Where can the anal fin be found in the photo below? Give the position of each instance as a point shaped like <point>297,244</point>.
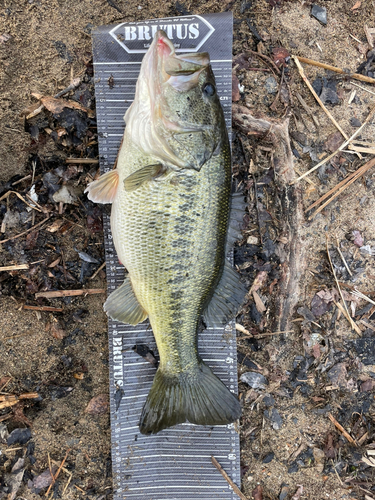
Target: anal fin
<point>135,180</point>
<point>122,305</point>
<point>226,300</point>
<point>104,189</point>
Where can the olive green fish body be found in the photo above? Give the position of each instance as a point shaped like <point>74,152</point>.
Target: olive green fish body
<point>170,235</point>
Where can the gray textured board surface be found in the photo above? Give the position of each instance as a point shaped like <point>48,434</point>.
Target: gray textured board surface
<point>176,463</point>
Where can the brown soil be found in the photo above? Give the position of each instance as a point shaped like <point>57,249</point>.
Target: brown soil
<point>50,44</point>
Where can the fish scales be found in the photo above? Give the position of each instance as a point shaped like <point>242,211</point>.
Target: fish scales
<point>170,196</point>
<point>173,247</point>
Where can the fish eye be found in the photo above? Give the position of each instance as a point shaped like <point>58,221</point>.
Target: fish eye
<point>209,89</point>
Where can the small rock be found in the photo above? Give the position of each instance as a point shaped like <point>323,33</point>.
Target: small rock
<point>271,85</point>
<point>254,380</point>
<point>98,405</point>
<point>268,400</point>
<point>252,240</point>
<point>329,96</point>
<point>368,385</point>
<point>87,258</point>
<point>275,418</point>
<point>320,13</point>
<point>19,436</point>
<point>300,137</point>
<point>358,238</point>
<point>43,480</point>
<point>293,468</point>
<point>337,375</point>
<point>4,434</point>
<point>319,457</point>
<point>11,219</point>
<point>354,122</point>
<point>284,492</point>
<point>268,458</point>
<point>64,195</point>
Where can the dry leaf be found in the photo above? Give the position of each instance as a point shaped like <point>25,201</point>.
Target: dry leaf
<point>57,105</point>
<point>258,302</point>
<point>259,281</point>
<point>57,331</point>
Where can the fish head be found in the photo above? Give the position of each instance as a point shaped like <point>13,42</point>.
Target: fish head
<point>177,92</point>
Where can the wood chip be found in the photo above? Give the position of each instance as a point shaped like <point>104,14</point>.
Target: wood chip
<point>69,293</point>
<point>14,268</point>
<point>43,308</point>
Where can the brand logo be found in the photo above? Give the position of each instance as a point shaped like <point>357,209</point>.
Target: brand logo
<point>187,33</point>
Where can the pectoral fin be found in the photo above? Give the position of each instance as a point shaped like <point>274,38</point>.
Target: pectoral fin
<point>134,181</point>
<point>104,189</point>
<point>226,300</point>
<point>122,305</point>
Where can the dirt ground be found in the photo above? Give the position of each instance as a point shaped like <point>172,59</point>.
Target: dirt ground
<point>319,368</point>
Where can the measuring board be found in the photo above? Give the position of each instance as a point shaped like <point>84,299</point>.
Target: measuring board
<point>176,463</point>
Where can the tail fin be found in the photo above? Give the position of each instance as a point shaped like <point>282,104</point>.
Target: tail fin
<point>201,398</point>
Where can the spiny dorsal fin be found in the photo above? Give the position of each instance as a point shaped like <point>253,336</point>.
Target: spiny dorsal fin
<point>122,305</point>
<point>237,211</point>
<point>135,180</point>
<point>104,189</point>
<point>226,300</point>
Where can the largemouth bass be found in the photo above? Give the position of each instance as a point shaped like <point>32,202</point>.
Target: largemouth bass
<point>171,200</point>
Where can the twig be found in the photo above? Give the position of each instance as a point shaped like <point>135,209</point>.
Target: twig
<point>98,271</point>
<point>342,430</point>
<point>257,207</point>
<point>21,180</point>
<point>320,102</point>
<point>227,478</point>
<point>54,477</point>
<point>265,59</point>
<point>82,161</point>
<point>80,489</point>
<point>8,193</point>
<point>25,232</point>
<point>343,146</point>
<point>347,316</point>
<point>67,484</point>
<point>308,110</point>
<point>339,188</point>
<point>43,308</point>
<point>343,258</point>
<point>361,295</point>
<point>360,149</point>
<point>267,334</point>
<point>69,293</point>
<point>352,324</point>
<point>363,88</point>
<point>357,76</point>
<point>14,268</point>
